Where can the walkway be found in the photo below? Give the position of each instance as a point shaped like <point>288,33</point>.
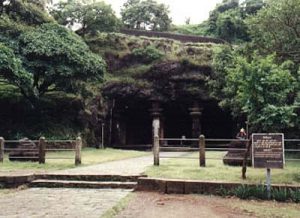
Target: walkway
<point>132,166</point>
<point>62,202</point>
<point>59,203</point>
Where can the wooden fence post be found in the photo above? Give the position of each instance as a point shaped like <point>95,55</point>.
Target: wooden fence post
<point>42,150</point>
<point>1,149</point>
<point>202,150</point>
<point>78,146</point>
<point>156,150</point>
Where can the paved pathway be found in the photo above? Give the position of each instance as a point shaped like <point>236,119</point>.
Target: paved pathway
<point>64,203</point>
<point>59,203</point>
<point>132,166</point>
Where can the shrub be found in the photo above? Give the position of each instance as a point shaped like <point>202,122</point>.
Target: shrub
<point>295,195</point>
<point>280,194</point>
<point>148,54</point>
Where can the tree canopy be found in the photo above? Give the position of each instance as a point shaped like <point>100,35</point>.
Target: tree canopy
<point>259,80</point>
<point>276,28</point>
<point>38,58</point>
<point>146,15</point>
<point>85,16</point>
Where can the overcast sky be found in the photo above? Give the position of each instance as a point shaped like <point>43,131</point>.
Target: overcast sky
<point>197,10</point>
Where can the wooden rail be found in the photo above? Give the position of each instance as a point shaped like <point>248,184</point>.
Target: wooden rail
<point>203,147</point>
<point>42,149</point>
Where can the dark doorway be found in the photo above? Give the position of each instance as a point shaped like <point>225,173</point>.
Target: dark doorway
<point>177,121</point>
<point>138,123</point>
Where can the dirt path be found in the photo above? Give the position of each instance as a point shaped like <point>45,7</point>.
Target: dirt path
<point>153,205</point>
<point>150,205</point>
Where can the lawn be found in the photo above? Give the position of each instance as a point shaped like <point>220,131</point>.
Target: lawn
<point>90,156</point>
<point>215,170</point>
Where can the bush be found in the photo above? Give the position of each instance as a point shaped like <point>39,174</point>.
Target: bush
<point>148,54</point>
<point>260,192</point>
<point>295,195</point>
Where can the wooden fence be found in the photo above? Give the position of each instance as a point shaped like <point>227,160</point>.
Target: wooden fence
<point>203,144</point>
<point>42,147</point>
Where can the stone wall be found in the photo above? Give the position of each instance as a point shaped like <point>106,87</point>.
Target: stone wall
<point>179,37</point>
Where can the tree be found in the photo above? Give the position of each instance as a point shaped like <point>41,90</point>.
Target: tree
<point>48,58</point>
<point>11,68</point>
<point>147,15</point>
<point>230,26</point>
<point>258,88</point>
<point>276,28</point>
<point>31,12</point>
<point>226,21</point>
<point>251,7</point>
<point>88,18</point>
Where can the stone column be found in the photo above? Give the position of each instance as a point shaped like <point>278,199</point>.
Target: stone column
<point>196,112</point>
<point>119,129</point>
<point>156,113</point>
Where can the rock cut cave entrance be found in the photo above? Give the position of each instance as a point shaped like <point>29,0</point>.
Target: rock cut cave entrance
<point>132,122</point>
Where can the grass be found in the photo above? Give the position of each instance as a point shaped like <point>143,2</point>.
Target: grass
<point>215,170</point>
<point>121,205</point>
<point>90,156</point>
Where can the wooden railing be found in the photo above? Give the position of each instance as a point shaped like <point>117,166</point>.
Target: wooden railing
<point>42,147</point>
<point>203,144</point>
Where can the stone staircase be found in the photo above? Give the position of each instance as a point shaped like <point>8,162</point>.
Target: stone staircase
<point>85,181</point>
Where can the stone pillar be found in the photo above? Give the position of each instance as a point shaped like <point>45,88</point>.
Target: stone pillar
<point>119,129</point>
<point>156,113</point>
<point>78,146</point>
<point>196,113</point>
<point>1,149</point>
<point>42,150</point>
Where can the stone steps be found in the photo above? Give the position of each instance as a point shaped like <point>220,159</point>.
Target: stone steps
<point>89,177</point>
<point>85,181</point>
<point>82,184</point>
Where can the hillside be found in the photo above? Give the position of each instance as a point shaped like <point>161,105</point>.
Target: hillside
<point>142,66</point>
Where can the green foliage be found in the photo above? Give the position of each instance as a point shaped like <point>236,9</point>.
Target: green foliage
<point>262,89</point>
<point>49,57</point>
<point>92,17</point>
<point>295,195</point>
<point>246,192</point>
<point>276,28</point>
<point>137,14</point>
<point>28,11</point>
<point>251,7</point>
<point>230,26</point>
<point>227,20</point>
<point>11,69</point>
<point>147,54</point>
<point>256,87</point>
<point>260,192</point>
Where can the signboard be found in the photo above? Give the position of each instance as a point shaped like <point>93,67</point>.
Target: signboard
<point>268,150</point>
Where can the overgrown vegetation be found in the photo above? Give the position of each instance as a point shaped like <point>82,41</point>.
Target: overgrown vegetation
<point>150,15</point>
<point>259,81</point>
<point>88,17</point>
<point>260,192</point>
